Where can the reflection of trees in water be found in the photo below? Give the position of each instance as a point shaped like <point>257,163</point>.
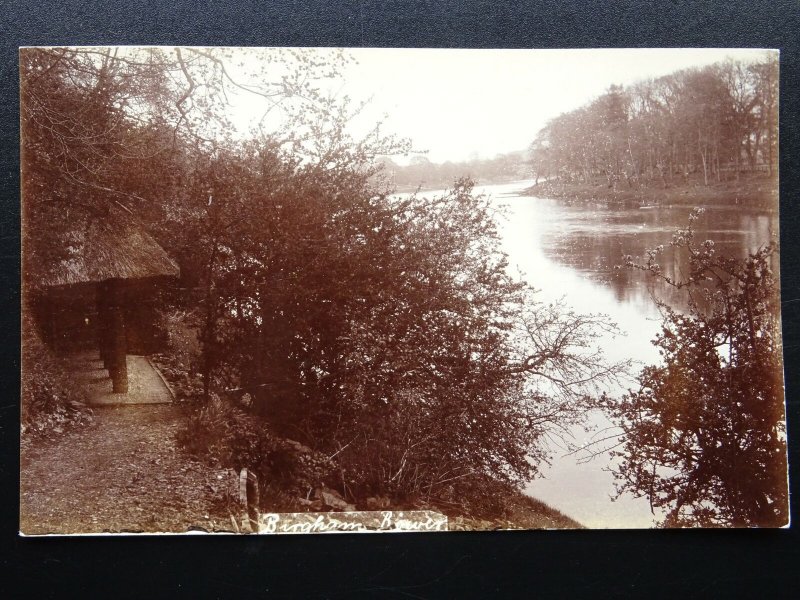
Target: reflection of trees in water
<point>704,435</point>
<point>597,248</point>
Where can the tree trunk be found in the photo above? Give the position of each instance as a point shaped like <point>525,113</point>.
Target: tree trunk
<point>119,365</point>
<point>705,167</point>
<point>116,343</point>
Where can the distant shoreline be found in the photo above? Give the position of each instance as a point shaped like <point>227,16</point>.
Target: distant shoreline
<point>410,189</point>
<point>757,192</point>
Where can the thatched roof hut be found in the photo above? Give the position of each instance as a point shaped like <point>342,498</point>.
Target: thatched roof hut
<point>100,288</point>
<point>116,247</point>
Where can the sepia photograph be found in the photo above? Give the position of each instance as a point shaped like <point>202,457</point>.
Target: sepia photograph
<point>340,290</point>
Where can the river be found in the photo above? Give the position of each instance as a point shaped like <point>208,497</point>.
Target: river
<point>570,252</point>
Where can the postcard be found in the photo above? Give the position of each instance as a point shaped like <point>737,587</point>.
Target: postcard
<point>321,290</point>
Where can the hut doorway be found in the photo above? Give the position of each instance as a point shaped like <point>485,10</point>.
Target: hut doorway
<point>111,318</point>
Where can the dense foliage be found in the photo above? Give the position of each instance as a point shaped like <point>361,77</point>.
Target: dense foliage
<point>705,437</point>
<point>383,334</point>
<point>51,399</point>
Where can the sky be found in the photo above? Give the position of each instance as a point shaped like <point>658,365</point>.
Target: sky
<point>461,104</point>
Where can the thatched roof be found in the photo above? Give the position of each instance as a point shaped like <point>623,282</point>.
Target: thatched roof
<point>113,247</point>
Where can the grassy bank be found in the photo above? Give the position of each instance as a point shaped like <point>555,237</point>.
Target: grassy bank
<point>752,191</point>
<point>523,512</point>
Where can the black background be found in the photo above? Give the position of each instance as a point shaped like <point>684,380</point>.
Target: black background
<point>528,564</point>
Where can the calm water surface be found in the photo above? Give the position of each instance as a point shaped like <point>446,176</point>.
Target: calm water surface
<point>570,252</point>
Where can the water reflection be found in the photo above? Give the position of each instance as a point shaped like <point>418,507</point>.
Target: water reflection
<point>571,251</point>
<point>594,241</point>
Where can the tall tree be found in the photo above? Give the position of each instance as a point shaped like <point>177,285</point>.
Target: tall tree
<point>106,127</point>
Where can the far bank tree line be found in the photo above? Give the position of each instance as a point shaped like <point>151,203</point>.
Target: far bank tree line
<point>422,172</point>
<point>708,124</point>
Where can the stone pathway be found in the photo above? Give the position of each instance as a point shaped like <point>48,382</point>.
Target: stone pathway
<point>145,383</point>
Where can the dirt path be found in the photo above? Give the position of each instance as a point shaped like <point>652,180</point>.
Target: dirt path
<point>121,473</point>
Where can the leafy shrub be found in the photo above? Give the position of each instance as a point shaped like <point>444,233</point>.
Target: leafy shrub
<point>182,338</point>
<point>180,363</point>
<point>227,435</point>
<point>188,387</point>
<point>51,399</point>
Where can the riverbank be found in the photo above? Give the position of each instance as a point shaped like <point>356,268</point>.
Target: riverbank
<point>125,473</point>
<point>524,512</point>
<point>754,191</point>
